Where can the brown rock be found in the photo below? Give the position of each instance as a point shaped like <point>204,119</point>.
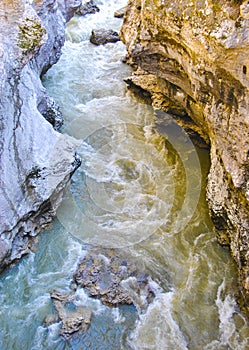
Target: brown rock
<point>50,319</point>
<point>193,61</point>
<point>74,319</point>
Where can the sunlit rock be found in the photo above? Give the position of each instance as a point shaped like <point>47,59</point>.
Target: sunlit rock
<point>192,59</point>
<point>73,318</point>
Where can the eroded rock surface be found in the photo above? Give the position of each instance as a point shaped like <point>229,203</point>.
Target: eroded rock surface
<point>107,274</point>
<point>113,278</point>
<point>74,319</point>
<point>191,57</point>
<point>35,160</point>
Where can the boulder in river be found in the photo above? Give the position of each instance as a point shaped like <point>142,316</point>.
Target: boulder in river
<point>113,279</point>
<point>73,318</point>
<point>87,8</point>
<point>106,274</point>
<point>103,36</point>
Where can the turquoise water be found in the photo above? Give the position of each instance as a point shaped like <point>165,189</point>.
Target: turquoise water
<point>140,190</point>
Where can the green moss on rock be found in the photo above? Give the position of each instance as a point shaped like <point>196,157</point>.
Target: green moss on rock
<point>31,33</point>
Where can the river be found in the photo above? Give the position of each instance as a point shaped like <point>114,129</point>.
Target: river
<point>140,189</point>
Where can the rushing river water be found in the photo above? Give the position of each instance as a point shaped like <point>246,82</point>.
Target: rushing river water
<point>141,188</point>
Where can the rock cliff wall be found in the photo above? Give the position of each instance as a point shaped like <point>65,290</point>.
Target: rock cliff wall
<point>35,160</point>
<point>192,59</point>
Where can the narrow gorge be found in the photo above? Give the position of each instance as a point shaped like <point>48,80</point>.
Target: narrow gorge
<point>124,174</point>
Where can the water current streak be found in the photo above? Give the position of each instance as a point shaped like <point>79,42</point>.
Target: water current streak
<point>135,189</point>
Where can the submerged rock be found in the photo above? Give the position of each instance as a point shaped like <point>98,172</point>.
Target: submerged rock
<point>103,36</point>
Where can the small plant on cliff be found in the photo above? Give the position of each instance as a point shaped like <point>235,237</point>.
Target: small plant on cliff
<point>30,35</point>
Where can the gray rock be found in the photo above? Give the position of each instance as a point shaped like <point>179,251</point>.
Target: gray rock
<point>87,8</point>
<point>36,162</point>
<point>103,36</point>
<point>113,278</point>
<point>73,322</point>
<point>51,112</point>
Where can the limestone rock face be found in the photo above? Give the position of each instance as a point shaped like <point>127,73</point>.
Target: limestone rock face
<point>35,160</point>
<point>192,58</point>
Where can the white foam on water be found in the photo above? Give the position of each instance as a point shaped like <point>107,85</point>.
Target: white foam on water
<point>157,329</point>
<point>129,188</point>
<point>25,293</point>
<point>95,305</point>
<point>126,178</point>
<point>80,28</point>
<point>229,334</point>
<point>99,111</point>
<point>140,295</point>
<point>117,317</point>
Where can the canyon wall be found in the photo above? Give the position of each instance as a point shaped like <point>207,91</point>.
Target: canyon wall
<point>35,160</point>
<point>191,59</point>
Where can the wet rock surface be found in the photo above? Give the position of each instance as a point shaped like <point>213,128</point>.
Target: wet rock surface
<point>113,279</point>
<point>73,318</point>
<point>105,274</point>
<point>103,36</point>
